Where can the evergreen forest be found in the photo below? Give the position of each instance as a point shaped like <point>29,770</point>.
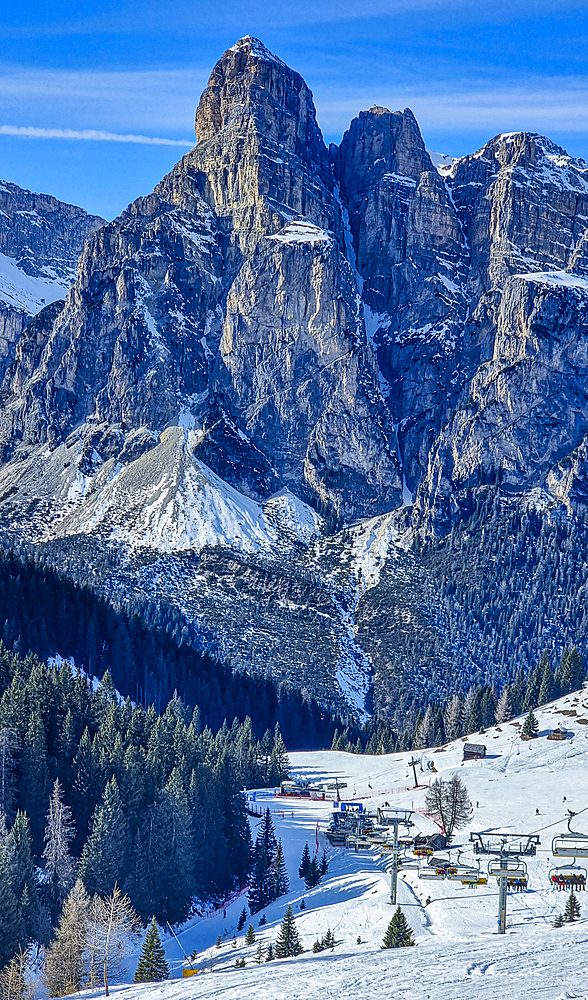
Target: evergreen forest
<point>96,787</point>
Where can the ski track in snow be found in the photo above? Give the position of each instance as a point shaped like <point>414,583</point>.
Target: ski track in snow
<point>458,955</point>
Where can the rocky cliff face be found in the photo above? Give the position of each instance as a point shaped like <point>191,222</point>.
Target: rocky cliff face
<point>412,257</point>
<point>40,242</point>
<point>291,396</point>
<point>249,293</point>
<point>523,422</point>
<point>276,326</point>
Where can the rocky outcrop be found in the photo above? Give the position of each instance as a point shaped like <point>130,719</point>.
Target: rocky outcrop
<point>260,158</point>
<point>136,346</point>
<point>40,242</point>
<point>299,377</point>
<point>523,423</point>
<point>412,257</point>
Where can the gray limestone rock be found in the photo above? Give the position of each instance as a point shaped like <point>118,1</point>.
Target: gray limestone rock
<point>524,420</point>
<point>40,242</point>
<point>412,257</point>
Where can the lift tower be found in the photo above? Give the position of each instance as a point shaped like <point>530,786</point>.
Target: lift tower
<point>507,848</point>
<point>395,818</point>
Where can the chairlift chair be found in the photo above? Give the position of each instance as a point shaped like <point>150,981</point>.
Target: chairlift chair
<point>434,874</point>
<point>568,877</point>
<point>571,844</point>
<point>511,868</point>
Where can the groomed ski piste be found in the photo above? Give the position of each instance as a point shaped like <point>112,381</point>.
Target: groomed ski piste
<point>521,786</point>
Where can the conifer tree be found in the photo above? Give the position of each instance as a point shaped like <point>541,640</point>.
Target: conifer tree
<point>288,943</point>
<point>250,936</point>
<point>530,725</point>
<point>152,967</point>
<point>534,683</point>
<point>171,862</point>
<point>22,873</point>
<point>453,718</point>
<point>282,884</point>
<point>398,933</point>
<point>324,865</point>
<point>242,919</point>
<point>263,888</point>
<point>517,692</point>
<point>59,834</point>
<point>9,744</point>
<point>547,689</point>
<point>305,862</point>
<point>34,778</point>
<point>270,953</point>
<point>260,954</point>
<point>279,763</point>
<point>106,851</point>
<point>572,909</point>
<point>313,875</point>
<point>12,932</point>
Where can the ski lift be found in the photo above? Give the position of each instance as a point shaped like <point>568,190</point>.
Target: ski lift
<point>472,878</point>
<point>466,874</point>
<point>423,851</point>
<point>570,845</point>
<point>511,868</point>
<point>568,877</point>
<point>426,872</point>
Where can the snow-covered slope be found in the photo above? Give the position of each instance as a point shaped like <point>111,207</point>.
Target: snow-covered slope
<point>26,292</point>
<point>521,787</point>
<point>169,501</point>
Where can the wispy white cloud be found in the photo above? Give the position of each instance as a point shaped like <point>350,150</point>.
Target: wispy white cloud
<point>94,135</point>
<point>540,105</point>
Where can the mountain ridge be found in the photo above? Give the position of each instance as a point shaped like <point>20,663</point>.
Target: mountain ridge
<point>344,327</point>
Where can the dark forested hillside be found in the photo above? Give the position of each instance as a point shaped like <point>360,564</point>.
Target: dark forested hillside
<point>46,613</point>
<point>93,786</point>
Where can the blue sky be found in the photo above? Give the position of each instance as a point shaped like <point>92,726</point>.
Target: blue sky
<point>116,69</point>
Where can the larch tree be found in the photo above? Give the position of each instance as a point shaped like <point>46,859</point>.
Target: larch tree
<point>450,803</point>
<point>13,978</point>
<point>64,969</point>
<point>504,706</point>
<point>114,925</point>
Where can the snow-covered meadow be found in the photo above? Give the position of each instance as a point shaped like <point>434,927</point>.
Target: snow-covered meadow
<point>521,787</point>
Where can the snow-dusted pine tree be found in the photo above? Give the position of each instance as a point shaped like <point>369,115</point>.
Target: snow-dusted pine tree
<point>282,884</point>
<point>288,944</point>
<point>152,967</point>
<point>59,834</point>
<point>398,933</point>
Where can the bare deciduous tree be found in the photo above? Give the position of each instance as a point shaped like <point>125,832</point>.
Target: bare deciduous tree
<point>114,924</point>
<point>13,981</point>
<point>450,803</point>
